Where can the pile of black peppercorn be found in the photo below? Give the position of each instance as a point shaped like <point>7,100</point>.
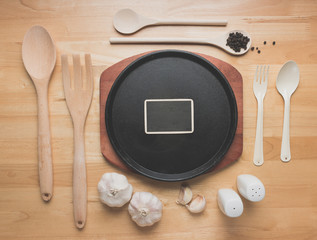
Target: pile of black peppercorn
<point>237,41</point>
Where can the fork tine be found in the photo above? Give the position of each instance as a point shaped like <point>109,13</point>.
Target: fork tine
<point>65,72</point>
<point>89,79</point>
<point>261,77</point>
<point>78,83</point>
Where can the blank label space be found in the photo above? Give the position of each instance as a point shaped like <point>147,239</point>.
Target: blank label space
<point>169,116</point>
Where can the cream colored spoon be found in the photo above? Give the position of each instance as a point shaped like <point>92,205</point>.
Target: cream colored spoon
<point>286,83</point>
<point>219,41</point>
<point>39,57</point>
<point>126,21</point>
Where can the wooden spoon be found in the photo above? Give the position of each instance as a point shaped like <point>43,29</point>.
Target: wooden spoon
<point>126,21</point>
<point>220,41</point>
<point>39,57</point>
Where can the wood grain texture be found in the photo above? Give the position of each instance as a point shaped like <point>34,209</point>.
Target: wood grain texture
<point>289,210</point>
<point>232,75</point>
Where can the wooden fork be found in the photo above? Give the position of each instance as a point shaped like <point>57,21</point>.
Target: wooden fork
<point>78,98</point>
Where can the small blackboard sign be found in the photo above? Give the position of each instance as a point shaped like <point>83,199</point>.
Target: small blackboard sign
<point>168,116</point>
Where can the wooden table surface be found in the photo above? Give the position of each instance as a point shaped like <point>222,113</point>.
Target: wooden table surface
<point>289,211</point>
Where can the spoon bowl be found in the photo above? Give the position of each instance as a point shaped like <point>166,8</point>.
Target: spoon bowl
<point>39,58</point>
<point>126,21</point>
<point>288,78</point>
<point>286,83</point>
<point>222,41</point>
<point>38,53</point>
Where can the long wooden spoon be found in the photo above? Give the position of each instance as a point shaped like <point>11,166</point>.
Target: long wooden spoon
<point>219,41</point>
<point>126,21</point>
<point>39,58</point>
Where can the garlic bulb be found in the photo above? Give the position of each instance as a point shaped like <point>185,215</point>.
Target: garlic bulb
<point>197,205</point>
<point>114,189</point>
<point>145,209</point>
<point>185,195</point>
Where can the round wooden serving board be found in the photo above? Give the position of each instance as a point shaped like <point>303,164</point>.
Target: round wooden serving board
<point>234,78</point>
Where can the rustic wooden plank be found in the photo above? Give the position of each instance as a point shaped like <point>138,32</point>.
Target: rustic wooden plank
<point>289,210</point>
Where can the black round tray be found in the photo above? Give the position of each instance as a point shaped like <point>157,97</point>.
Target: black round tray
<point>171,74</point>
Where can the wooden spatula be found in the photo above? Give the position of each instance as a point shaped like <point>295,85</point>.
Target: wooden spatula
<point>78,97</point>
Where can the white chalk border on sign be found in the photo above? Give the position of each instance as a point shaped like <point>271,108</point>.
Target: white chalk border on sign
<point>169,100</point>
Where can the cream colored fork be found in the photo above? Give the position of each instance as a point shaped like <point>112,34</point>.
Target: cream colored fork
<point>259,89</point>
<point>78,98</point>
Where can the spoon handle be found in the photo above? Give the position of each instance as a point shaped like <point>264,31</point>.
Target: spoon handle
<point>258,146</point>
<point>286,150</point>
<point>159,40</point>
<point>44,146</point>
<point>192,22</point>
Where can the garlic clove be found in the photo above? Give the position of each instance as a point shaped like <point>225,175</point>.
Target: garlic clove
<point>114,189</point>
<point>197,205</point>
<point>145,209</point>
<point>185,195</point>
